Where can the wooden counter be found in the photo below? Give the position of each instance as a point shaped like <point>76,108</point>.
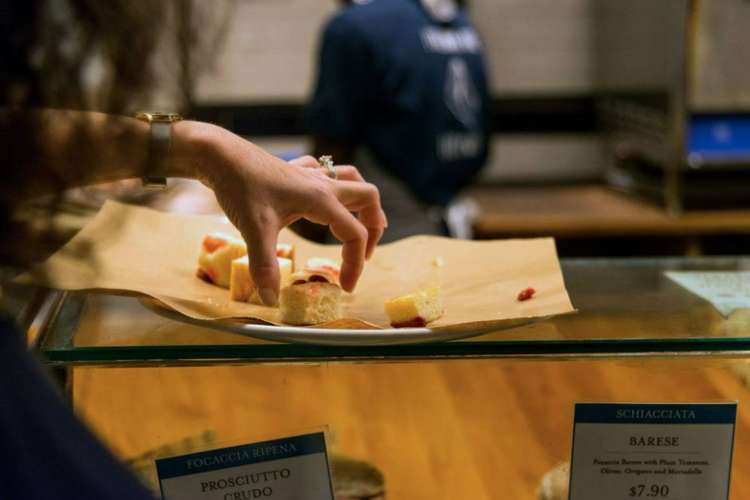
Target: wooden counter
<point>592,211</point>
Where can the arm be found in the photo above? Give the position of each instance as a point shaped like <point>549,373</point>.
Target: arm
<point>52,150</point>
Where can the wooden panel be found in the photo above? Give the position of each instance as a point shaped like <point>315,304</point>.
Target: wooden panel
<point>461,429</point>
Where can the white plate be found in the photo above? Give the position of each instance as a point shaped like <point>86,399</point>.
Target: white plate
<point>336,337</point>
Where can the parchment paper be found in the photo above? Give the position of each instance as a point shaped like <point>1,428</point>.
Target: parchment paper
<point>134,249</point>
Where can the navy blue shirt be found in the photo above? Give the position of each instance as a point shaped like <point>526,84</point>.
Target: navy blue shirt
<point>411,90</point>
<point>45,452</point>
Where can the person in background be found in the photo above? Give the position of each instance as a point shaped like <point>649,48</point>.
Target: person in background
<point>402,91</point>
<point>45,452</point>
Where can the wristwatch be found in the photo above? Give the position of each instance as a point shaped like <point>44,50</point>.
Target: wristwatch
<point>159,145</point>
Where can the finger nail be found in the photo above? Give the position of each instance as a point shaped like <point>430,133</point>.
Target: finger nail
<point>268,296</point>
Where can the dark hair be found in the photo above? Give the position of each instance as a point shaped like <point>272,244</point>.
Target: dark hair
<point>48,51</point>
<point>51,45</point>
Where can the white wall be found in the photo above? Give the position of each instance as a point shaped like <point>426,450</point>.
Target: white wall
<point>268,53</point>
<point>533,46</point>
<point>536,46</point>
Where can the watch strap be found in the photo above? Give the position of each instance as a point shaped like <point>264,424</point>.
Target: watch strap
<point>159,148</point>
<point>155,176</point>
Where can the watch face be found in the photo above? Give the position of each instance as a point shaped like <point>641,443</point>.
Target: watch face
<point>158,116</point>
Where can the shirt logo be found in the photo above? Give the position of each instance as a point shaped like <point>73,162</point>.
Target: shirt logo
<point>461,96</point>
<point>450,41</point>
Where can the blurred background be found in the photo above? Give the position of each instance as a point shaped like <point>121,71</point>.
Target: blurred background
<point>621,128</point>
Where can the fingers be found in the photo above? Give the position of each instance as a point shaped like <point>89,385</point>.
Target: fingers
<point>352,234</point>
<point>261,234</point>
<point>370,212</point>
<point>364,198</point>
<point>358,235</point>
<point>348,173</point>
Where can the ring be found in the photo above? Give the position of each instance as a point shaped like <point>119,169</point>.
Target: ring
<point>327,163</point>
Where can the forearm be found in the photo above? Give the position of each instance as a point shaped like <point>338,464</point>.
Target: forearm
<point>51,150</point>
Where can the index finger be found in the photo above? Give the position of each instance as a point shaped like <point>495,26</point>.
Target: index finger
<point>353,235</point>
<point>371,213</point>
<point>363,198</point>
<point>261,236</point>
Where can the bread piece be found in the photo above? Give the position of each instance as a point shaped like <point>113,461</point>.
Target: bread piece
<point>215,260</point>
<point>416,309</point>
<point>241,286</point>
<point>313,295</point>
<point>219,250</point>
<point>310,303</point>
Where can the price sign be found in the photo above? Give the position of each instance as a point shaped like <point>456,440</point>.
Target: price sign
<point>672,451</point>
<point>282,469</point>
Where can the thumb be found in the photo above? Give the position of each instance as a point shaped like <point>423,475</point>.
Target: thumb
<point>261,237</point>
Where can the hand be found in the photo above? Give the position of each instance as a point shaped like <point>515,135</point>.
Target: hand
<point>261,194</point>
<point>371,216</point>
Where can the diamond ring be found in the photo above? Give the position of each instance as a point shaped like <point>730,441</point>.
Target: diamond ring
<point>327,163</point>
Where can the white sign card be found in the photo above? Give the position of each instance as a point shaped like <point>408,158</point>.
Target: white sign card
<point>623,451</point>
<point>281,469</point>
<point>727,291</point>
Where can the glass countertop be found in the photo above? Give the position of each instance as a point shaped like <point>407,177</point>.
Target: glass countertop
<point>626,307</point>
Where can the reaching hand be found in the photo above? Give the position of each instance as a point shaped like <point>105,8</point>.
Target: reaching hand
<point>262,194</point>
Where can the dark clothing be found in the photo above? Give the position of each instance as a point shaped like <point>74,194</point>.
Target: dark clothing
<point>45,452</point>
<point>410,90</point>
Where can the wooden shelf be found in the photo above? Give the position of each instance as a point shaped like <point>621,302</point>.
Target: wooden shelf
<point>592,211</point>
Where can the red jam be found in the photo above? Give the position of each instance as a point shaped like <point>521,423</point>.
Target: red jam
<point>526,294</point>
<point>212,243</point>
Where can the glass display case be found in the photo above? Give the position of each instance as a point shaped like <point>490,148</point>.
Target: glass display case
<point>483,417</point>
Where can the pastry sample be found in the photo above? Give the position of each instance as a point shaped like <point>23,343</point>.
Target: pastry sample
<point>415,309</point>
<point>215,260</point>
<point>313,295</point>
<point>218,250</point>
<point>241,286</point>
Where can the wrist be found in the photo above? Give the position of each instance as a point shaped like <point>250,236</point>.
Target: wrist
<point>194,148</point>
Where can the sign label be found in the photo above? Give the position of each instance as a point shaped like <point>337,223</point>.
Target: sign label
<point>281,469</point>
<point>671,451</point>
<point>727,291</point>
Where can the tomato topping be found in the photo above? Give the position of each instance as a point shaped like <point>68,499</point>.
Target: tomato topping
<point>325,274</point>
<point>526,294</point>
<point>213,243</point>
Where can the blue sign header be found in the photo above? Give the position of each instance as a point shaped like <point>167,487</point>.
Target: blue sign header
<point>241,455</point>
<point>607,413</point>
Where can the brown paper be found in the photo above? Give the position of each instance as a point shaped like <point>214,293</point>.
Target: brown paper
<point>128,248</point>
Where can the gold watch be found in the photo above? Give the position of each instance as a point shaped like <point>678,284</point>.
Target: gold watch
<point>159,146</point>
